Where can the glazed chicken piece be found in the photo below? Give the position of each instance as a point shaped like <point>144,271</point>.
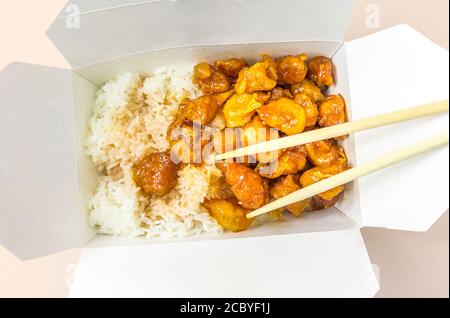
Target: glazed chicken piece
<point>325,152</point>
<point>246,184</point>
<point>311,111</point>
<point>186,144</point>
<point>204,108</point>
<point>271,67</point>
<point>260,76</point>
<point>286,186</point>
<point>285,115</point>
<point>332,111</point>
<point>279,92</point>
<point>290,162</point>
<point>275,215</point>
<point>227,140</point>
<point>240,108</point>
<point>231,67</point>
<point>218,189</point>
<point>310,89</point>
<point>210,79</point>
<point>156,173</point>
<point>262,97</point>
<point>321,71</point>
<point>316,174</point>
<point>218,123</point>
<point>267,183</point>
<point>231,139</point>
<point>318,203</point>
<point>255,132</point>
<point>175,127</point>
<point>292,69</point>
<point>231,217</point>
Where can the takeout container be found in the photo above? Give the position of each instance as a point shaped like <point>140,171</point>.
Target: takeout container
<point>45,177</point>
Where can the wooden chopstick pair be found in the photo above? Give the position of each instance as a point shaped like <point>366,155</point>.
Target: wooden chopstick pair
<point>342,130</point>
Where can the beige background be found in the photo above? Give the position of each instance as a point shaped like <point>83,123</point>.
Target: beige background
<point>409,264</point>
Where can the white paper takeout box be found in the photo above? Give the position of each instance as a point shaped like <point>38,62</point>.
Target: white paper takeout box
<point>46,178</point>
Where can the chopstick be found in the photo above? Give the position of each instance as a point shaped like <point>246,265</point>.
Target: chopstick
<point>354,173</point>
<point>338,130</point>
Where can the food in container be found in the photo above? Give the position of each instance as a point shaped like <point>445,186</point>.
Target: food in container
<point>152,138</point>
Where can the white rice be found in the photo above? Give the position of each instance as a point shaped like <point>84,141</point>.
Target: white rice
<point>115,207</point>
<point>179,213</point>
<point>130,118</point>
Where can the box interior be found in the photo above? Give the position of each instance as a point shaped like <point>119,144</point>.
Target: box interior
<point>340,218</point>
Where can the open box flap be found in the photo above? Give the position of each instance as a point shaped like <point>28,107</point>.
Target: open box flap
<point>392,70</point>
<point>40,200</point>
<point>322,264</point>
<point>110,32</point>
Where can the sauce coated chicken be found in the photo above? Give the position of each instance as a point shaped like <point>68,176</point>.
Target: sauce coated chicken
<point>332,111</point>
<point>311,111</point>
<point>219,189</point>
<point>203,109</point>
<point>246,184</point>
<point>240,108</point>
<point>253,132</point>
<point>279,92</point>
<point>230,216</point>
<point>321,71</point>
<point>228,140</point>
<point>210,79</point>
<point>317,174</point>
<point>285,115</point>
<point>156,173</point>
<point>286,186</point>
<point>231,67</point>
<point>292,69</point>
<point>187,145</point>
<point>261,76</point>
<point>290,162</point>
<point>325,152</point>
<point>308,88</point>
<point>256,131</point>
